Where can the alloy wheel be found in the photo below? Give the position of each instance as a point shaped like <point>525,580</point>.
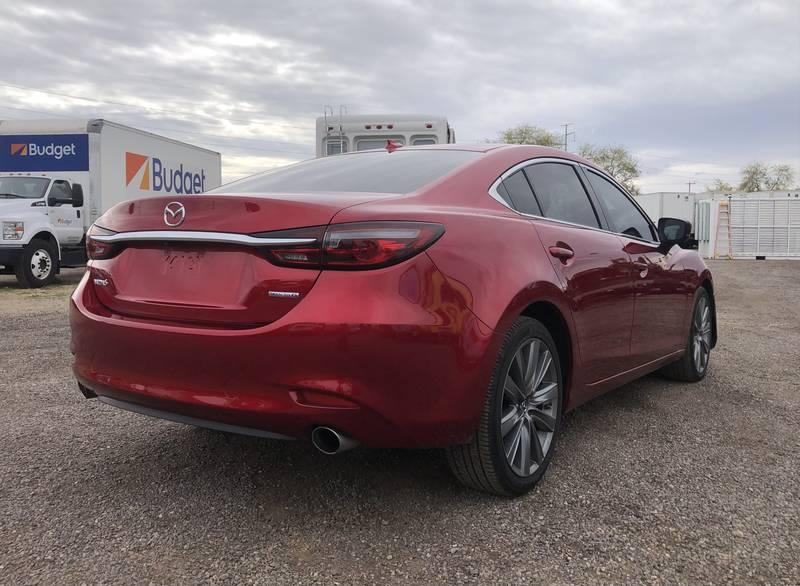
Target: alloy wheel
<point>701,335</point>
<point>530,406</point>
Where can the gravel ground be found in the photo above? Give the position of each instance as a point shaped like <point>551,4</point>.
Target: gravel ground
<point>655,483</point>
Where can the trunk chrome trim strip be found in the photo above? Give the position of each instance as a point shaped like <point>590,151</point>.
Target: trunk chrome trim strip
<point>196,236</point>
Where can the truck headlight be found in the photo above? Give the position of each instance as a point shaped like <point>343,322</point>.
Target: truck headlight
<point>13,230</point>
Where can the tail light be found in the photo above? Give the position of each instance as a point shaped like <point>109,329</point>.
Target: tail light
<point>354,246</point>
<point>296,255</point>
<point>97,250</point>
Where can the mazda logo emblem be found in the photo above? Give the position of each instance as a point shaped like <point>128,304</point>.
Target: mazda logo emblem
<point>174,214</point>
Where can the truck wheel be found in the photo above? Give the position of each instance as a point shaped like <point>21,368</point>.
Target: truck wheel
<point>37,266</point>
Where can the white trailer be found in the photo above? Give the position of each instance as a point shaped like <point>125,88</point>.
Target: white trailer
<point>346,133</point>
<point>59,176</point>
<point>672,204</point>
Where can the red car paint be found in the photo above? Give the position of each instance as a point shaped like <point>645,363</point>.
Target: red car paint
<point>393,356</point>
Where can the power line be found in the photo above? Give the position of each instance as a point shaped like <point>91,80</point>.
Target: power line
<point>567,133</point>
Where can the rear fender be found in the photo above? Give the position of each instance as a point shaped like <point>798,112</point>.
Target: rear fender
<point>551,295</point>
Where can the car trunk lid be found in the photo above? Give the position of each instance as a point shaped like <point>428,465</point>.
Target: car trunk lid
<point>208,269</point>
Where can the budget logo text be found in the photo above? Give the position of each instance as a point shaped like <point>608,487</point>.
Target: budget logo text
<point>155,175</point>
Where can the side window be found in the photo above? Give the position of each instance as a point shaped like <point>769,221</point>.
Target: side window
<point>561,193</point>
<point>519,190</point>
<point>60,190</point>
<point>503,192</point>
<point>622,215</point>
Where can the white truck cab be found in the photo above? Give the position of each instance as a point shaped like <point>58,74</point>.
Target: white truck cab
<point>59,176</point>
<point>42,226</point>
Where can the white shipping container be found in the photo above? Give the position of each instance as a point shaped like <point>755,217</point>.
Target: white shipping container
<point>668,205</point>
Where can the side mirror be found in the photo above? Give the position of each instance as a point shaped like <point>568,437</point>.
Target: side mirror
<point>77,195</point>
<point>672,231</point>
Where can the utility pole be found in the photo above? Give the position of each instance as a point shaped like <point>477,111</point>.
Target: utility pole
<point>567,132</point>
<point>690,183</point>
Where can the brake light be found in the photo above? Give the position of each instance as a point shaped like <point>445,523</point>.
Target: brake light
<point>354,246</point>
<point>97,250</point>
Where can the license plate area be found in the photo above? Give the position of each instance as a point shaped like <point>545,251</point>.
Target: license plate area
<point>199,283</point>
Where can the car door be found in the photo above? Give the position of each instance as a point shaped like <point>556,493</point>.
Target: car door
<point>593,268</point>
<point>661,289</point>
<point>64,219</point>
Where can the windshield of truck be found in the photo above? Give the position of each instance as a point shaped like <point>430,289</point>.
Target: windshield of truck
<point>23,187</point>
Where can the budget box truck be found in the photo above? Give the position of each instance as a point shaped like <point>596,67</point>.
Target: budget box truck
<point>59,176</point>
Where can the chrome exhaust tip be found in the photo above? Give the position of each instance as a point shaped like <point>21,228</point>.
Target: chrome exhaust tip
<point>331,442</point>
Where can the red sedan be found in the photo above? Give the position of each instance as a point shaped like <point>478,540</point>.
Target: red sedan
<point>462,297</point>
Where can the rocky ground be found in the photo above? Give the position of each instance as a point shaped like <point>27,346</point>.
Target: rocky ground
<point>655,483</point>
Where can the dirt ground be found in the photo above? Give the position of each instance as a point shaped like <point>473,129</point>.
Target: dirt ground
<point>655,483</point>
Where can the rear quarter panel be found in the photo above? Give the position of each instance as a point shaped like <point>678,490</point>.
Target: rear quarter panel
<point>488,252</point>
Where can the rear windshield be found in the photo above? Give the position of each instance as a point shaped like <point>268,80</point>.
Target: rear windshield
<point>374,172</point>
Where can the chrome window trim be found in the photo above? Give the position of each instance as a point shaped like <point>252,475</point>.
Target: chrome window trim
<point>197,236</point>
<point>537,160</point>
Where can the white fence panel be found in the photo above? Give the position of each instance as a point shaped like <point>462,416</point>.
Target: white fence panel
<point>765,228</point>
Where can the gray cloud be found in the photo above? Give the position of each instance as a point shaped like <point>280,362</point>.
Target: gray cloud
<point>707,86</point>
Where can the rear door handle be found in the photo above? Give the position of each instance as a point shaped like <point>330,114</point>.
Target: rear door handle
<point>561,253</point>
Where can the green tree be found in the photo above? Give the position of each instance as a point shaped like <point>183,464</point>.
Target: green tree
<point>720,186</point>
<point>527,134</point>
<point>617,161</point>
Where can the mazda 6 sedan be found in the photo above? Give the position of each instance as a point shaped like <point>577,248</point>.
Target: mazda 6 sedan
<point>449,296</point>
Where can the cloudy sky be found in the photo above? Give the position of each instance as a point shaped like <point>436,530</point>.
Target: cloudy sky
<point>695,89</point>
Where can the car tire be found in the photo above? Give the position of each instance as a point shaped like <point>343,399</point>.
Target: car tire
<point>38,264</point>
<point>484,463</point>
<point>698,346</point>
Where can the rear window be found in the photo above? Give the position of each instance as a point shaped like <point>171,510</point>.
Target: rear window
<point>372,172</point>
<point>366,144</point>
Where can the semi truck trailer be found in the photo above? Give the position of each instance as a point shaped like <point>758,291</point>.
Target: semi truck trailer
<point>59,176</point>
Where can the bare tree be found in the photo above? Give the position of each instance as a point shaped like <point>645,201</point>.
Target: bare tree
<point>527,134</point>
<point>617,161</point>
<point>759,176</point>
<point>754,177</point>
<point>720,186</point>
<point>780,177</point>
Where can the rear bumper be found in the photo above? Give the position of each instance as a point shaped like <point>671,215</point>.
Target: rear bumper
<point>393,358</point>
